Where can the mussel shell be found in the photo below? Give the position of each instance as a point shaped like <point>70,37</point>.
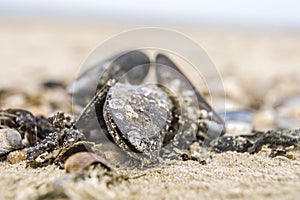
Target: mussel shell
<point>182,108</point>
<point>137,117</point>
<point>88,121</point>
<point>85,86</point>
<point>186,90</point>
<point>82,160</point>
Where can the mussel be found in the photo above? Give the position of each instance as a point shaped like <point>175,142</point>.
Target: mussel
<point>147,109</point>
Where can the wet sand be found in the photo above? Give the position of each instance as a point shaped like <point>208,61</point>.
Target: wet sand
<point>31,53</point>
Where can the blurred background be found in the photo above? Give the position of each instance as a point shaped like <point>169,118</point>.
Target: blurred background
<point>254,45</point>
<point>278,14</point>
<point>239,36</point>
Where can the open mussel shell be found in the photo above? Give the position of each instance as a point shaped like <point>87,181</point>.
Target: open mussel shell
<point>83,89</point>
<point>166,78</point>
<point>146,109</point>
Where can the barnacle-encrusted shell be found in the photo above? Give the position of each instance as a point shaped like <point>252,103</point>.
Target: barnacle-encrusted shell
<point>137,117</point>
<point>31,128</point>
<point>47,150</point>
<point>254,142</point>
<point>153,110</point>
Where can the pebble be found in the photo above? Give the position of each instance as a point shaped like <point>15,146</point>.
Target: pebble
<point>288,113</point>
<point>264,119</point>
<point>17,156</point>
<point>238,122</point>
<point>10,140</point>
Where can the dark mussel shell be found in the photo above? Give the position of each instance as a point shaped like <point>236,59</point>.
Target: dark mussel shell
<point>145,117</point>
<point>137,117</point>
<point>83,89</point>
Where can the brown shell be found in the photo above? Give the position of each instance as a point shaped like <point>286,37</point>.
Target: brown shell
<point>65,153</point>
<point>83,160</point>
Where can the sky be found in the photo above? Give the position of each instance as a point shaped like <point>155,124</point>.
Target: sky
<point>257,13</point>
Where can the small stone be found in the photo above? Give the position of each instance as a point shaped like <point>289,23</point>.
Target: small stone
<point>10,140</point>
<point>16,156</point>
<point>264,119</point>
<point>238,122</point>
<point>288,113</point>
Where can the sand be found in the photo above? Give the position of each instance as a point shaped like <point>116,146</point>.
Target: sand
<point>33,52</point>
<point>225,176</point>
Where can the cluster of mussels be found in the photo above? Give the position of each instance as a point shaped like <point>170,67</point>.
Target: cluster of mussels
<point>39,140</point>
<point>142,120</point>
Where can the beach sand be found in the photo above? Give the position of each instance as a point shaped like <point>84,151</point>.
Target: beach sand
<point>34,52</point>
